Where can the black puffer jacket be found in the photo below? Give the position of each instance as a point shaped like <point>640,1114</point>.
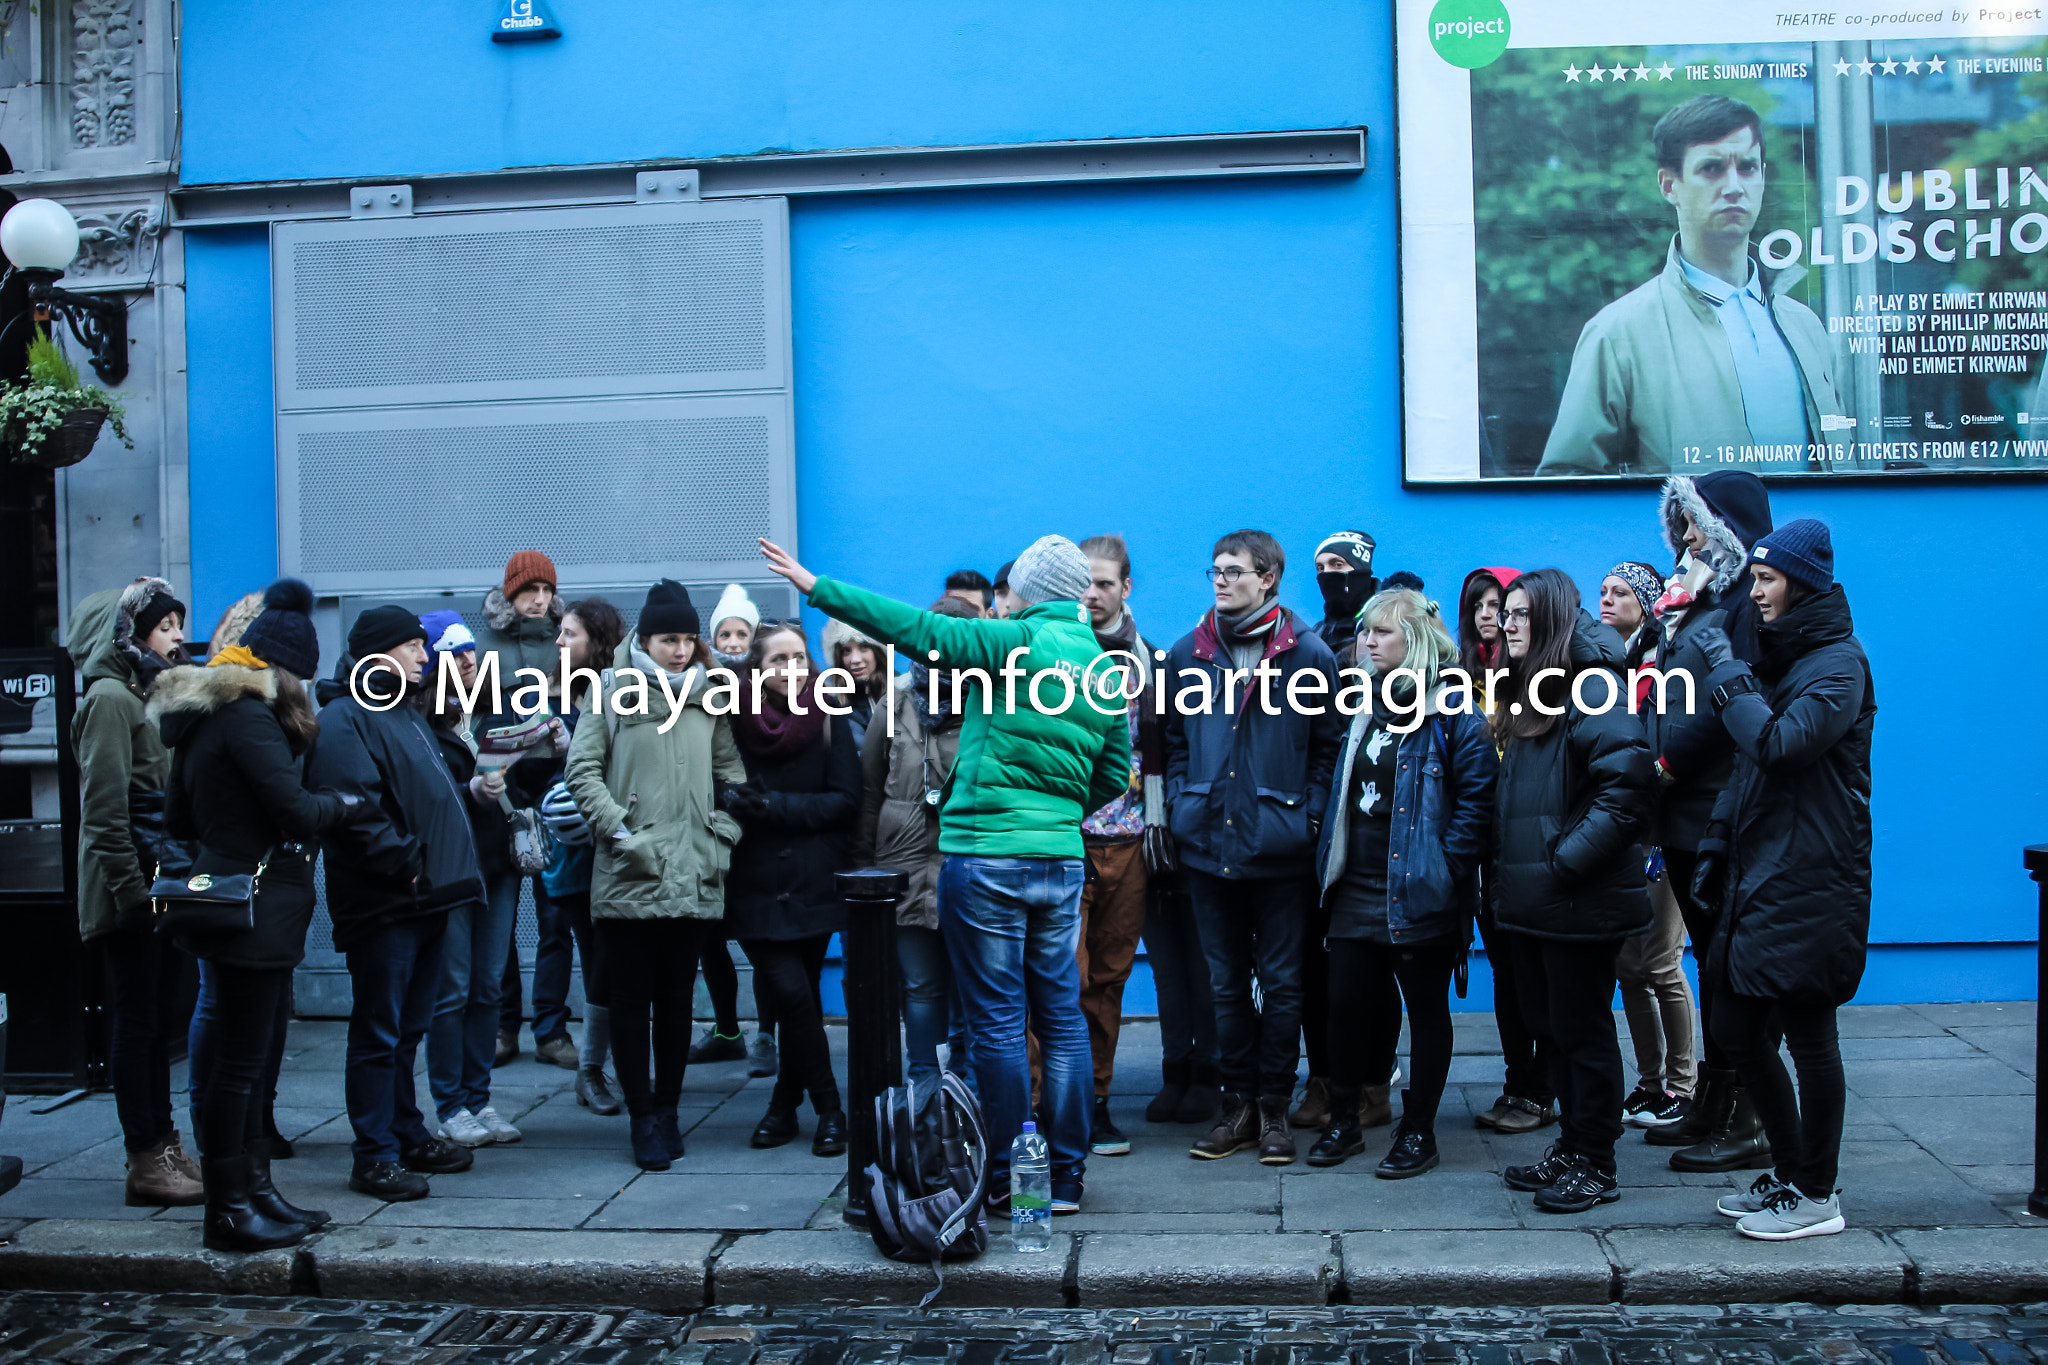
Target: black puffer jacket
<point>235,788</point>
<point>781,883</point>
<point>420,858</point>
<point>1793,826</point>
<point>1573,805</point>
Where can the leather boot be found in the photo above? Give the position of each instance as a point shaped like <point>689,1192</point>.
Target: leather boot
<point>1236,1128</point>
<point>1343,1137</point>
<point>1205,1095</point>
<point>650,1152</point>
<point>264,1196</point>
<point>233,1223</point>
<point>1738,1144</point>
<point>1314,1109</point>
<point>594,1093</point>
<point>1375,1106</point>
<point>1276,1142</point>
<point>1177,1075</point>
<point>155,1180</point>
<point>1709,1111</point>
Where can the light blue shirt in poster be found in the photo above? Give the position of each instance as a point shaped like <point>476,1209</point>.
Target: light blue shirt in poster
<point>1773,395</point>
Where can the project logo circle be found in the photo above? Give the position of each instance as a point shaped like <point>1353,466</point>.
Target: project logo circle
<point>1469,33</point>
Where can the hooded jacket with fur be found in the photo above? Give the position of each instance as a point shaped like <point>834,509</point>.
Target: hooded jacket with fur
<point>237,790</point>
<point>122,762</point>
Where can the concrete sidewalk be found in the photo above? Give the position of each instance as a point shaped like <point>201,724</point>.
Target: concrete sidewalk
<point>1934,1178</point>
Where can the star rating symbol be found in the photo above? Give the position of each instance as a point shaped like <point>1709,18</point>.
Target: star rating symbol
<point>1889,67</point>
<point>1597,73</point>
<point>1642,73</point>
<point>1841,68</point>
<point>1664,72</point>
<point>1572,74</point>
<point>1865,67</point>
<point>1934,64</point>
<point>1912,66</point>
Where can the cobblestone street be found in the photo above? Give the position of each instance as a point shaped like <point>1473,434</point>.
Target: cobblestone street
<point>81,1329</point>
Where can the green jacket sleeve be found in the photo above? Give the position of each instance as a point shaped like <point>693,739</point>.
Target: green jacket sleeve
<point>1590,435</point>
<point>103,734</point>
<point>1111,777</point>
<point>961,643</point>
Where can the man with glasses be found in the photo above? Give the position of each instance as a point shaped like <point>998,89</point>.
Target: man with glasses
<point>1251,739</point>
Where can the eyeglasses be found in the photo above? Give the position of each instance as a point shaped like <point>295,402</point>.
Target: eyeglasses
<point>1518,614</point>
<point>1229,574</point>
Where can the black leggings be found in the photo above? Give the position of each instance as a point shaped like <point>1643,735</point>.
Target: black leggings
<point>650,974</point>
<point>1528,1060</point>
<point>1567,990</point>
<point>1365,979</point>
<point>722,982</point>
<point>143,972</point>
<point>1315,1000</point>
<point>246,1006</point>
<point>1805,1129</point>
<point>786,973</point>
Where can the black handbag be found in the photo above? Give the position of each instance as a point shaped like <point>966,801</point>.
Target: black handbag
<point>205,903</point>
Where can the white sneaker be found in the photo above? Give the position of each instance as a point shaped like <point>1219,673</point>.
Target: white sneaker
<point>462,1127</point>
<point>1751,1200</point>
<point>496,1125</point>
<point>1788,1214</point>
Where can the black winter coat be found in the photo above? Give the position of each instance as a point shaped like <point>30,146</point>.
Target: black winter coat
<point>236,790</point>
<point>1793,826</point>
<point>1245,791</point>
<point>1693,743</point>
<point>1573,807</point>
<point>781,882</point>
<point>419,858</point>
<point>489,826</point>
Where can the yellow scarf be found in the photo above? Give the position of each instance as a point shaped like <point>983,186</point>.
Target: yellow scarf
<point>236,654</point>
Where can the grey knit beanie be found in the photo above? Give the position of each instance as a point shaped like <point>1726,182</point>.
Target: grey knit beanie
<point>1052,570</point>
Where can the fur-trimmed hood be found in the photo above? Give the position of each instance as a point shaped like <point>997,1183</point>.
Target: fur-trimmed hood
<point>500,615</point>
<point>838,633</point>
<point>101,635</point>
<point>1730,505</point>
<point>183,697</point>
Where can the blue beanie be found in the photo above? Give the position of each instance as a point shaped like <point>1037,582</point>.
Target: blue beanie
<point>283,636</point>
<point>1801,550</point>
<point>447,632</point>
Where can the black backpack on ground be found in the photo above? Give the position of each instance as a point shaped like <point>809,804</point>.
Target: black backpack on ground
<point>929,1182</point>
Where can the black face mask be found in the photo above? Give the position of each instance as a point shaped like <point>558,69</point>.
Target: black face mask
<point>1345,594</point>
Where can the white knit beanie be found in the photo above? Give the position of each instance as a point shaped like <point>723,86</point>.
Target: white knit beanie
<point>735,602</point>
<point>1052,570</point>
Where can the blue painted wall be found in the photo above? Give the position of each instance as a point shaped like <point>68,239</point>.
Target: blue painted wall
<point>1168,361</point>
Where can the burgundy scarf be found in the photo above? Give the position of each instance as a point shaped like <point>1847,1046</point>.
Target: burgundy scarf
<point>776,734</point>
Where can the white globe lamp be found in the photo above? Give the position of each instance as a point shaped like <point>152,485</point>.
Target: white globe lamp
<point>39,234</point>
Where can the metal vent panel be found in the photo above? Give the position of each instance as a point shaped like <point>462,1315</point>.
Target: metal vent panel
<point>532,303</point>
<point>421,499</point>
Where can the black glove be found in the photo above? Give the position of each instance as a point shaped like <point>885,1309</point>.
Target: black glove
<point>356,811</point>
<point>1708,877</point>
<point>744,801</point>
<point>1713,642</point>
<point>1161,857</point>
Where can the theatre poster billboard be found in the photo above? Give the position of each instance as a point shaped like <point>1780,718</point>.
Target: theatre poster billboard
<point>1667,236</point>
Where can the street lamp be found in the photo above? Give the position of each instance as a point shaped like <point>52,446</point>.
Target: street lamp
<point>40,239</point>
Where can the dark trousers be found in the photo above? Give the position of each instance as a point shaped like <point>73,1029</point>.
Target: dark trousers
<point>1364,978</point>
<point>1254,929</point>
<point>202,1045</point>
<point>1700,923</point>
<point>650,972</point>
<point>396,974</point>
<point>722,984</point>
<point>1528,1060</point>
<point>240,1035</point>
<point>143,970</point>
<point>1567,990</point>
<point>564,940</point>
<point>1180,974</point>
<point>786,974</point>
<point>1805,1129</point>
<point>573,910</point>
<point>511,990</point>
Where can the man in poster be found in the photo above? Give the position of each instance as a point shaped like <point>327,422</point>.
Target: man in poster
<point>1712,355</point>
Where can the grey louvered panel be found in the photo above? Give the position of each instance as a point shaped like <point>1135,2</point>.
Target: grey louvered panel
<point>388,500</point>
<point>532,303</point>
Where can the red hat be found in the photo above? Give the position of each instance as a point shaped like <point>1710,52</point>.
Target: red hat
<point>528,566</point>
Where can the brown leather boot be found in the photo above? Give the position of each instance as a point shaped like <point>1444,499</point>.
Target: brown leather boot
<point>1314,1109</point>
<point>1237,1127</point>
<point>175,1145</point>
<point>1375,1106</point>
<point>155,1181</point>
<point>1276,1143</point>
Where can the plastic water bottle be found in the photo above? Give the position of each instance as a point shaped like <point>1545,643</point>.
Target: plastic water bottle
<point>1030,1192</point>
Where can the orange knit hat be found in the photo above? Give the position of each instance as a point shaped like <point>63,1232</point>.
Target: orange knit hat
<point>528,566</point>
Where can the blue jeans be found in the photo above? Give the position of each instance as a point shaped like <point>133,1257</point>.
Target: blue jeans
<point>1012,928</point>
<point>394,973</point>
<point>932,1017</point>
<point>463,1041</point>
<point>201,1047</point>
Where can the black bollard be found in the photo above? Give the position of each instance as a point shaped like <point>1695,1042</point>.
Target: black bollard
<point>2037,1202</point>
<point>874,1042</point>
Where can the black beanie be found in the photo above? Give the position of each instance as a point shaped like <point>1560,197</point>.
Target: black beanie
<point>668,611</point>
<point>283,635</point>
<point>383,628</point>
<point>153,612</point>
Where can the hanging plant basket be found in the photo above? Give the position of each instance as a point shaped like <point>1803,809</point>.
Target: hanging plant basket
<point>73,439</point>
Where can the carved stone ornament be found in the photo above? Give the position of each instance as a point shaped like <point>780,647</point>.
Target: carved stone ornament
<point>114,243</point>
<point>106,35</point>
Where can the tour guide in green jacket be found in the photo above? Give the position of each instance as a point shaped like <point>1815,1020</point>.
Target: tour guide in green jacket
<point>1033,760</point>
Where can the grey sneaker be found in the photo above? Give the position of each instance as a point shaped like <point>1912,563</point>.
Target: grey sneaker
<point>500,1129</point>
<point>1787,1214</point>
<point>462,1127</point>
<point>761,1059</point>
<point>1751,1200</point>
